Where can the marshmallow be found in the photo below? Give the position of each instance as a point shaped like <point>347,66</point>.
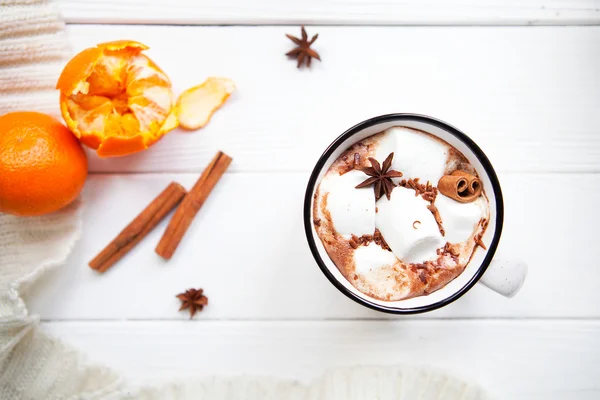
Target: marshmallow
<point>460,219</point>
<point>352,210</point>
<point>371,257</point>
<point>395,218</point>
<point>416,155</point>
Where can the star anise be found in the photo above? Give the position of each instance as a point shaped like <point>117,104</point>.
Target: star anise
<point>380,177</point>
<point>303,51</point>
<point>192,299</point>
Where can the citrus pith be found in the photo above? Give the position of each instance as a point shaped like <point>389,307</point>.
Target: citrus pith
<point>115,99</point>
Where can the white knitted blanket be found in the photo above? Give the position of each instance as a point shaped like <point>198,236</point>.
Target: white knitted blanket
<point>34,366</point>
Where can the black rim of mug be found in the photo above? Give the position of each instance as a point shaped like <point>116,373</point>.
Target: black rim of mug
<point>399,117</point>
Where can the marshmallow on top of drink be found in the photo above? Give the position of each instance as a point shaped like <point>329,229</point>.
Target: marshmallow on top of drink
<point>414,221</point>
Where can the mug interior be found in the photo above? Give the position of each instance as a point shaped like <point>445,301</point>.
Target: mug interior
<point>480,260</point>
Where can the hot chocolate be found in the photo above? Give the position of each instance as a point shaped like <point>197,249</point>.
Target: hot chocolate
<point>400,213</point>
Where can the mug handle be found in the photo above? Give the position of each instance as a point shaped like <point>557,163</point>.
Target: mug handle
<point>505,275</point>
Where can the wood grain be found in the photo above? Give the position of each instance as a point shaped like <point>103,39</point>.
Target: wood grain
<point>247,249</point>
<point>517,360</point>
<point>334,12</point>
<point>528,96</point>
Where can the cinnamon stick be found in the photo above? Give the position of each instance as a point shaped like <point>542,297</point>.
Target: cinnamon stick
<point>460,186</point>
<point>191,204</point>
<point>139,227</point>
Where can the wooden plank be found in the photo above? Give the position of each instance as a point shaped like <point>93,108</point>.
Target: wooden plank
<point>333,12</point>
<point>247,249</point>
<point>528,96</point>
<point>517,360</point>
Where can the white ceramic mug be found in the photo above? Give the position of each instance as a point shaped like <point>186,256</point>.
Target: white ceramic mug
<point>499,273</point>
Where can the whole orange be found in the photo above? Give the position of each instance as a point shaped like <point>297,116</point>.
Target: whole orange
<point>42,165</point>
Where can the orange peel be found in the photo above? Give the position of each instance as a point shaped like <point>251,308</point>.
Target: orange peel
<point>115,99</point>
<point>196,105</point>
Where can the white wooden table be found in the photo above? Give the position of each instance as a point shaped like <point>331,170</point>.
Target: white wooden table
<point>530,96</point>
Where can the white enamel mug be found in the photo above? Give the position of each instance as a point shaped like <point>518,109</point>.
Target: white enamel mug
<point>489,267</point>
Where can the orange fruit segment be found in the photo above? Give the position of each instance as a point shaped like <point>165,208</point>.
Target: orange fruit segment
<point>115,99</point>
<point>196,105</point>
<point>42,165</point>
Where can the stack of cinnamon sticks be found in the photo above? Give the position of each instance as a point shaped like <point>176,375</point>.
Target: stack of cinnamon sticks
<point>174,195</point>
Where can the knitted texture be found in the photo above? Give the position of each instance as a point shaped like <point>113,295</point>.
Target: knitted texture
<point>33,50</point>
<point>358,383</point>
<point>34,366</point>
